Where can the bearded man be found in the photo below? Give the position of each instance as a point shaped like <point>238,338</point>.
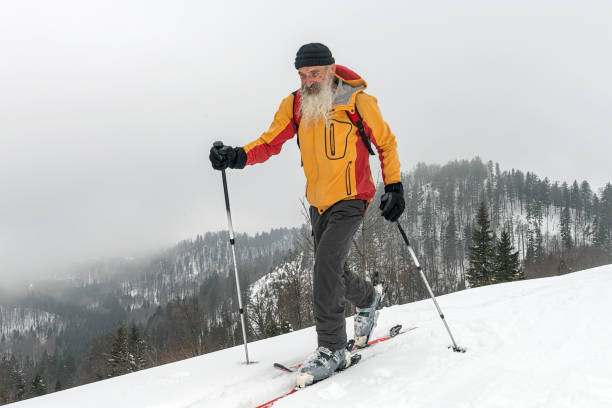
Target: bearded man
<point>335,122</point>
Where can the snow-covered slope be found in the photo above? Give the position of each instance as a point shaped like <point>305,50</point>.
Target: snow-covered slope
<point>537,343</point>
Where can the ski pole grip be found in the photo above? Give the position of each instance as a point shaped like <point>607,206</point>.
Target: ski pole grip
<point>221,148</point>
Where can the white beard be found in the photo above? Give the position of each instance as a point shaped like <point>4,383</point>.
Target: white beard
<point>317,106</point>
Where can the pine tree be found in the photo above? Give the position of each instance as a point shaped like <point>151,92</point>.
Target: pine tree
<point>566,231</point>
<point>38,386</point>
<point>482,253</point>
<point>273,329</point>
<point>605,215</point>
<point>586,195</point>
<point>18,383</point>
<point>507,264</point>
<point>539,243</point>
<point>429,232</point>
<point>286,327</point>
<point>137,348</point>
<point>119,361</point>
<point>576,204</point>
<point>449,254</point>
<point>599,232</point>
<point>531,251</point>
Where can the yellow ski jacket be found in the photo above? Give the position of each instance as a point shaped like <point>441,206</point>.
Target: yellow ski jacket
<point>335,159</point>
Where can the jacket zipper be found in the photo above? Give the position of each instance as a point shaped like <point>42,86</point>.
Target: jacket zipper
<point>348,179</point>
<point>332,139</point>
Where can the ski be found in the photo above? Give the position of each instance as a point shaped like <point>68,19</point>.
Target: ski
<point>270,403</point>
<point>393,331</point>
<point>284,368</point>
<point>355,358</point>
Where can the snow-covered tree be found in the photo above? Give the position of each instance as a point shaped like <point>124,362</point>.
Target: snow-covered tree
<point>118,362</point>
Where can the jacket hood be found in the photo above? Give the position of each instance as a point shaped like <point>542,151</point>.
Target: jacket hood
<point>349,86</point>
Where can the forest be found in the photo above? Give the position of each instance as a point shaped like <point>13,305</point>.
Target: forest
<point>470,223</point>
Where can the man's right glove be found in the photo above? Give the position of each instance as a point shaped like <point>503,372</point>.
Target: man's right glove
<point>392,202</point>
<point>222,157</point>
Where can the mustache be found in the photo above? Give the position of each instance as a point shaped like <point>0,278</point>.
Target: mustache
<point>315,86</point>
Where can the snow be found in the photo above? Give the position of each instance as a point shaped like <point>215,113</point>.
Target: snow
<point>536,343</point>
<point>23,320</point>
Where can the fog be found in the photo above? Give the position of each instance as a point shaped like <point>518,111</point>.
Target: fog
<point>108,108</point>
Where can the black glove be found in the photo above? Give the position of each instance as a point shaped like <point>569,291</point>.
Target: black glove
<point>222,157</point>
<point>392,202</point>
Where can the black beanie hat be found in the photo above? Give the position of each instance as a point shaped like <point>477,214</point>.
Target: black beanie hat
<point>313,54</point>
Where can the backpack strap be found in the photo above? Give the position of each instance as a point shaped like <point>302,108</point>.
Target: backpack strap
<point>296,106</point>
<point>354,117</point>
<point>357,121</point>
<point>296,119</point>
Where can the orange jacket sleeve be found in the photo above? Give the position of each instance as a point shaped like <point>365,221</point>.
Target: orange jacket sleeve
<point>380,134</point>
<point>272,140</point>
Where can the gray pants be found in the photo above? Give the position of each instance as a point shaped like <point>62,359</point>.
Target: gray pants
<point>333,282</point>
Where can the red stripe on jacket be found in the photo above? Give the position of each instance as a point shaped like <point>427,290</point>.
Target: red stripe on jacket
<point>363,175</point>
<point>262,152</point>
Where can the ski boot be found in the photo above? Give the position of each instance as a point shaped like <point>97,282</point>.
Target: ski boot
<point>365,318</point>
<point>321,364</point>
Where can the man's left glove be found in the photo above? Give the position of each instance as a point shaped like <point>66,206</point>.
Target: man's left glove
<point>222,157</point>
<point>392,202</point>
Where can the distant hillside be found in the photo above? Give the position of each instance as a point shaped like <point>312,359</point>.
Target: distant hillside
<point>556,227</point>
<point>175,273</point>
<point>62,317</point>
<point>182,302</point>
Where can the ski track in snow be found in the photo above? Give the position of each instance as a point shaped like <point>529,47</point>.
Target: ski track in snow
<point>530,344</point>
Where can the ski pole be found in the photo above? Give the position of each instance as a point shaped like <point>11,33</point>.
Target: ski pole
<point>418,265</point>
<point>232,242</point>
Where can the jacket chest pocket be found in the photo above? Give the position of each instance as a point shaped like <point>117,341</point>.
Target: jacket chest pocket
<point>336,139</point>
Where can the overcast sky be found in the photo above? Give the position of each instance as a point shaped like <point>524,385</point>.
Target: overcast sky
<point>108,108</point>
